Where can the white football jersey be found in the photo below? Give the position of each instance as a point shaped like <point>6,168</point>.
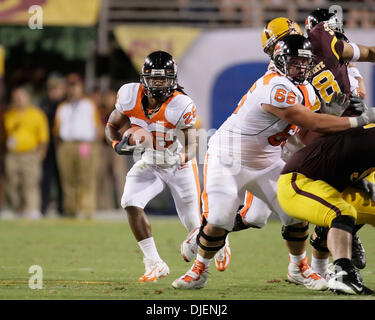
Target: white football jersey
<point>178,111</point>
<point>253,136</point>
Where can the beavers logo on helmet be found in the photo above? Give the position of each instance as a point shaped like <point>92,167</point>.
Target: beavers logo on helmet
<point>278,48</point>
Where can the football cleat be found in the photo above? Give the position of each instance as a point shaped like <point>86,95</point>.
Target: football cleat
<point>358,253</point>
<point>154,270</point>
<point>303,273</point>
<point>222,257</point>
<point>348,282</point>
<point>189,247</point>
<point>328,273</point>
<point>195,278</point>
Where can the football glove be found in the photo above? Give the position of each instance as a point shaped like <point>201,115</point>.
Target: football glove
<point>357,103</point>
<point>366,186</point>
<point>124,148</point>
<point>336,106</point>
<point>366,117</point>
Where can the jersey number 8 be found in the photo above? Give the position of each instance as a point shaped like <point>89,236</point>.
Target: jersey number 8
<point>326,85</point>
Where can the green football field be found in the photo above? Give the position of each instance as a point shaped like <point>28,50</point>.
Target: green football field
<point>101,260</point>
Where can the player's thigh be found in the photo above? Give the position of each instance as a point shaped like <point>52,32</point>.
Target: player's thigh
<point>255,211</point>
<point>185,189</point>
<point>311,200</point>
<point>221,193</point>
<point>362,202</point>
<point>264,187</point>
<point>142,185</point>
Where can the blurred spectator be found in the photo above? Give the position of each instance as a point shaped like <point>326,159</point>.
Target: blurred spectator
<point>36,85</point>
<point>56,91</point>
<point>78,128</point>
<point>360,14</point>
<point>26,130</point>
<point>112,167</point>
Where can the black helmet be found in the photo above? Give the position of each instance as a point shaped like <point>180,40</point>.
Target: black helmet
<point>286,54</point>
<point>319,15</point>
<point>159,75</point>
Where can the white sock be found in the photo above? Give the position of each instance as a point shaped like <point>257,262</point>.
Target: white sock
<point>149,250</point>
<point>319,265</point>
<point>296,259</point>
<point>203,260</point>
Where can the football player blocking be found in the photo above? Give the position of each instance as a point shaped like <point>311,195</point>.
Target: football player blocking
<point>159,105</point>
<point>327,62</point>
<point>273,31</point>
<point>255,106</point>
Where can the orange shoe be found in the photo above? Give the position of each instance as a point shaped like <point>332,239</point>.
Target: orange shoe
<point>189,247</point>
<point>222,257</point>
<point>302,273</point>
<point>195,278</point>
<point>154,270</point>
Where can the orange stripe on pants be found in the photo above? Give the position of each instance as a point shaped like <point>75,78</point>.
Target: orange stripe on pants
<point>196,178</point>
<point>248,201</point>
<point>204,193</point>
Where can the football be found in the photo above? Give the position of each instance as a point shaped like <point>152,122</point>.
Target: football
<point>138,135</point>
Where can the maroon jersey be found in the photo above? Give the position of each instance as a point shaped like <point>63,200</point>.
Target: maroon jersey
<point>330,73</point>
<point>338,159</point>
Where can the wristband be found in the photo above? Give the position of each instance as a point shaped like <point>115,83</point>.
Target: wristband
<point>113,126</point>
<point>356,52</point>
<point>114,143</point>
<point>353,122</point>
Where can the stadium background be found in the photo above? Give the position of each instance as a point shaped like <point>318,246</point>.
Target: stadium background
<point>216,44</point>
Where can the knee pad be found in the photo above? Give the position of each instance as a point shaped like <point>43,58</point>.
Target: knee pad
<point>210,239</point>
<point>286,230</point>
<point>343,222</point>
<point>321,235</point>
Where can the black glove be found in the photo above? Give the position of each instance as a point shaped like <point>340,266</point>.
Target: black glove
<point>357,103</point>
<point>123,147</point>
<point>366,186</point>
<point>336,106</point>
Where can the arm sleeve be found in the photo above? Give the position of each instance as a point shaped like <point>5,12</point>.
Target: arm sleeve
<point>125,100</point>
<point>188,117</point>
<point>282,97</point>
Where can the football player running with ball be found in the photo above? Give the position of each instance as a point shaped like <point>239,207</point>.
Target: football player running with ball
<point>249,140</point>
<point>159,105</point>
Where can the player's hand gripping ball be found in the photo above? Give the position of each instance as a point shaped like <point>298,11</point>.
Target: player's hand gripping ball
<point>138,136</point>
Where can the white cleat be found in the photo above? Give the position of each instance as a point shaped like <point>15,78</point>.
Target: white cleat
<point>304,274</point>
<point>195,278</point>
<point>328,273</point>
<point>154,270</point>
<point>222,257</point>
<point>189,248</point>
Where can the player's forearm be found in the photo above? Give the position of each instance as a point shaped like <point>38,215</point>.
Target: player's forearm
<point>318,122</point>
<point>366,53</point>
<point>325,123</point>
<point>112,133</point>
<point>116,122</point>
